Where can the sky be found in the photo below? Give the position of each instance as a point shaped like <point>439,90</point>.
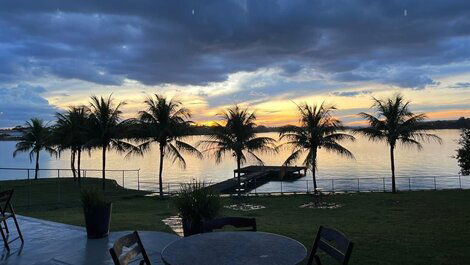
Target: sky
<point>268,55</point>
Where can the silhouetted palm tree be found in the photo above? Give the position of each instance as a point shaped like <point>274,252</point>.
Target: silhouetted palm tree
<point>69,132</point>
<point>318,129</point>
<point>164,122</point>
<point>35,138</point>
<point>237,137</point>
<point>106,128</point>
<point>395,123</point>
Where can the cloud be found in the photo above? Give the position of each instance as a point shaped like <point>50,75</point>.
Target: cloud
<point>165,42</point>
<point>350,93</point>
<point>461,85</point>
<point>23,102</point>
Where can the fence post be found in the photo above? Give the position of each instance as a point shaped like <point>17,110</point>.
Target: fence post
<point>281,187</point>
<point>383,180</point>
<point>307,186</point>
<point>460,182</point>
<point>358,189</point>
<point>435,186</point>
<point>333,185</point>
<point>123,178</point>
<point>138,179</point>
<point>169,188</point>
<point>256,193</point>
<point>58,185</point>
<point>409,184</point>
<point>29,190</point>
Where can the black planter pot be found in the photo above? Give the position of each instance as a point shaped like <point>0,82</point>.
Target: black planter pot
<point>97,221</point>
<point>191,228</point>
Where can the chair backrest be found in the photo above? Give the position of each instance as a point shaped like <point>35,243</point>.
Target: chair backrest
<point>5,200</point>
<point>128,241</point>
<point>237,222</point>
<point>333,243</point>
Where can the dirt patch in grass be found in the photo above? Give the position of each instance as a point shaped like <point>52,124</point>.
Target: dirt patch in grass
<point>321,205</point>
<point>244,207</point>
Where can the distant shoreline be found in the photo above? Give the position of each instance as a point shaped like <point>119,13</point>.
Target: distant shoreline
<point>461,123</point>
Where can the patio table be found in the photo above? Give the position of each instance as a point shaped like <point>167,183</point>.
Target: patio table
<point>234,248</point>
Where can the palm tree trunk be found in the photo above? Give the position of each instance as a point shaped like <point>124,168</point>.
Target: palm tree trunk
<point>160,173</point>
<point>72,163</point>
<point>78,166</point>
<point>103,173</point>
<point>239,176</point>
<point>37,166</point>
<point>314,167</point>
<point>392,163</point>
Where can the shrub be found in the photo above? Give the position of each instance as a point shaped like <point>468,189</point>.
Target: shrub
<point>92,199</point>
<point>463,153</point>
<point>197,202</point>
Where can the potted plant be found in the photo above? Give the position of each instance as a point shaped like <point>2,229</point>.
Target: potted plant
<point>97,210</point>
<point>196,204</point>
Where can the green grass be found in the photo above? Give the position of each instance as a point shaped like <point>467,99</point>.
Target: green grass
<point>426,227</point>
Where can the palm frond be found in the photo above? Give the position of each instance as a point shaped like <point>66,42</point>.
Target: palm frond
<point>174,153</point>
<point>337,148</point>
<point>411,142</point>
<point>294,156</point>
<point>185,147</point>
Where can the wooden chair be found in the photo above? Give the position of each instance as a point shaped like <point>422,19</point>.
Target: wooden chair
<point>7,212</point>
<point>237,222</point>
<point>333,243</point>
<point>128,241</point>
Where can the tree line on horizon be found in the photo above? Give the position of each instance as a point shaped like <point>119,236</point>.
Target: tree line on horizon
<point>166,123</point>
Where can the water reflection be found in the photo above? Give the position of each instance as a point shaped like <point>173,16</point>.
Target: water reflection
<point>371,160</point>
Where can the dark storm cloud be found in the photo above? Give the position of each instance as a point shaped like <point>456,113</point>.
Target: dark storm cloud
<point>198,42</point>
<point>21,103</point>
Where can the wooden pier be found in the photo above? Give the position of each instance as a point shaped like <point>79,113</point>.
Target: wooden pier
<point>252,177</point>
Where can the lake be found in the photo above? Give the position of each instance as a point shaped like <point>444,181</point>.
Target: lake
<point>371,161</point>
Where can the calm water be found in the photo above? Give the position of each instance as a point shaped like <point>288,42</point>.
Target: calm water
<point>371,160</point>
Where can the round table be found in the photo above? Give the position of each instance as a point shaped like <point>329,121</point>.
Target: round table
<point>234,248</point>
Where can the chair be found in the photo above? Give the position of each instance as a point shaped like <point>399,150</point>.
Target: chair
<point>7,212</point>
<point>128,241</point>
<point>340,250</point>
<point>237,222</point>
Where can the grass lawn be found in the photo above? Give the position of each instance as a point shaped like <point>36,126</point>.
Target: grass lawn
<point>425,227</point>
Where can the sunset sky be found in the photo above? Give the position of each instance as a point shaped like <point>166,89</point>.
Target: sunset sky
<point>211,54</point>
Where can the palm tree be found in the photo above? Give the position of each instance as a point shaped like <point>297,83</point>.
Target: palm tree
<point>106,128</point>
<point>395,123</point>
<point>318,129</point>
<point>35,138</point>
<point>164,122</point>
<point>69,132</point>
<point>237,137</point>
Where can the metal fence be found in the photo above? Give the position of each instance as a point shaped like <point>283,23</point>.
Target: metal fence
<point>53,185</point>
<point>131,177</point>
<point>131,180</point>
<point>339,185</point>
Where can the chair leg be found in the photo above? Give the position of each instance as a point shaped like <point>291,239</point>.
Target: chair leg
<point>317,260</point>
<point>5,240</point>
<point>6,226</point>
<point>18,228</point>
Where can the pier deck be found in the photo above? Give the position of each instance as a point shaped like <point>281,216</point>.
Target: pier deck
<point>254,176</point>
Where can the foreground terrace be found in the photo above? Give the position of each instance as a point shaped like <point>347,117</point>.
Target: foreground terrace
<point>422,227</point>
